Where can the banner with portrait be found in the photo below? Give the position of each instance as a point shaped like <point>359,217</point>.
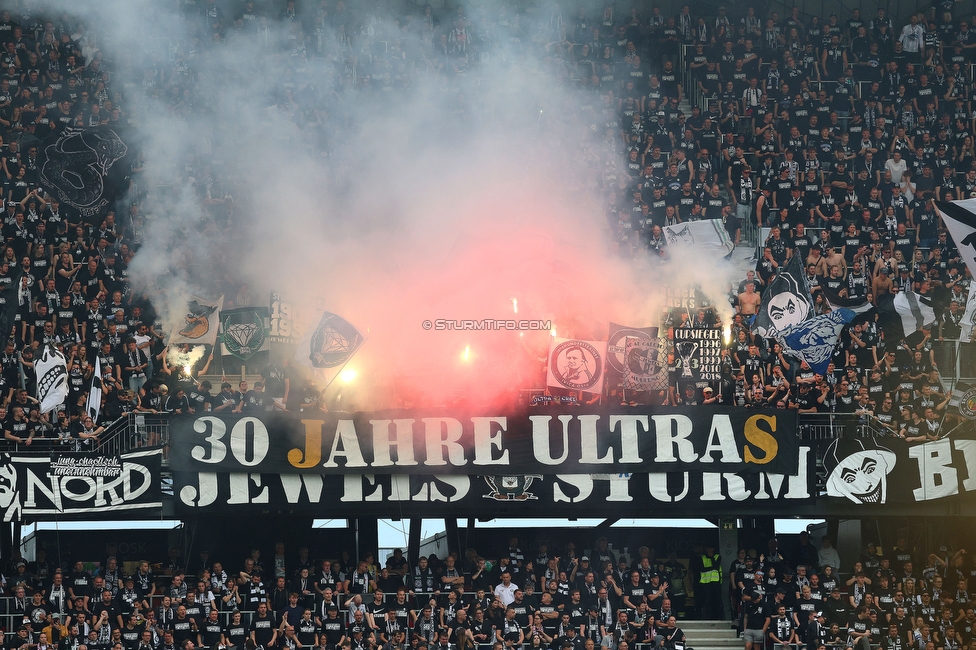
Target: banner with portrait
<point>576,365</point>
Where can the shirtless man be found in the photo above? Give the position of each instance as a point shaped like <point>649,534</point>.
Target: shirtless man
<point>749,300</point>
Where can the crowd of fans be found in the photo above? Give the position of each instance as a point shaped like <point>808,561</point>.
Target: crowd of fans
<point>828,139</point>
<point>836,134</point>
<point>553,597</point>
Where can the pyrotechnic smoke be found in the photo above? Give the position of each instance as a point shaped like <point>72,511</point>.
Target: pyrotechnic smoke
<point>185,359</point>
<point>416,198</point>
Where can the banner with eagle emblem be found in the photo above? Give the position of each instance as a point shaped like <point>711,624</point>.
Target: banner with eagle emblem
<point>200,324</point>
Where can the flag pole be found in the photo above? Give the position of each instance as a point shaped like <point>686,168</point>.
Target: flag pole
<point>338,372</point>
<point>958,361</point>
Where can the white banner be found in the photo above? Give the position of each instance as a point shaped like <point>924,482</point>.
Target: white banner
<point>201,320</point>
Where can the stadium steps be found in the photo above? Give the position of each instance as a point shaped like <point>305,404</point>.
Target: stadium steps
<point>710,635</point>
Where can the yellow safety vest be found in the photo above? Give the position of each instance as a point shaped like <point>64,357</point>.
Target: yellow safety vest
<point>711,569</point>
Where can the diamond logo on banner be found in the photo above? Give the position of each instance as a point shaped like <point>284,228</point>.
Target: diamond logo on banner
<point>245,331</point>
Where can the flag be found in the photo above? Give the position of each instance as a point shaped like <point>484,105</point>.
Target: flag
<point>85,168</point>
<point>576,365</point>
<point>786,301</point>
<point>963,399</point>
<point>815,340</point>
<point>707,234</point>
<point>616,350</point>
<point>201,320</point>
<point>329,345</point>
<point>52,378</point>
<point>8,303</point>
<point>968,322</point>
<point>915,311</point>
<point>245,331</point>
<point>959,218</point>
<point>903,315</point>
<point>646,364</point>
<point>836,301</point>
<point>94,405</point>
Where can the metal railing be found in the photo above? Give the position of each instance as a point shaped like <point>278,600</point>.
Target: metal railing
<point>828,426</point>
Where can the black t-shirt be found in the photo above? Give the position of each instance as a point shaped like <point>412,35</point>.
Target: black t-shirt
<point>333,629</point>
<point>263,628</point>
<point>236,634</point>
<point>199,399</point>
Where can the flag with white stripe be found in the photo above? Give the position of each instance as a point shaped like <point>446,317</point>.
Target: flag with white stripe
<point>968,323</point>
<point>94,405</point>
<point>958,391</point>
<point>915,311</point>
<point>959,218</point>
<point>836,301</point>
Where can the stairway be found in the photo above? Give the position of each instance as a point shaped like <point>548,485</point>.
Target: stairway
<point>710,635</point>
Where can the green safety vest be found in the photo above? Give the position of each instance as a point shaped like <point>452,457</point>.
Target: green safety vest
<point>711,569</point>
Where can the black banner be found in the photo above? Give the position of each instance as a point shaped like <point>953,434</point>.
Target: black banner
<point>698,351</point>
<point>81,167</point>
<point>532,494</point>
<point>869,471</point>
<point>547,440</point>
<point>79,486</point>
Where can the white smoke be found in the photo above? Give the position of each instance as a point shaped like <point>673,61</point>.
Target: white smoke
<point>407,196</point>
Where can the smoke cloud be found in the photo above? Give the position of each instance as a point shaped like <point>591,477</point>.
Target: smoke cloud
<point>347,162</point>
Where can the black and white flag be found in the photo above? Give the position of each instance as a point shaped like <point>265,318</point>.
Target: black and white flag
<point>94,404</point>
<point>903,315</point>
<point>959,218</point>
<point>968,323</point>
<point>646,366</point>
<point>915,311</point>
<point>52,378</point>
<point>786,302</point>
<point>836,301</point>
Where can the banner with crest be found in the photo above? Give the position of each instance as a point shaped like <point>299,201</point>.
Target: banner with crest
<point>245,331</point>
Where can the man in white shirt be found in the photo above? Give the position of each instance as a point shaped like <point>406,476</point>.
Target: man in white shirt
<point>897,166</point>
<point>912,36</point>
<point>505,590</point>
